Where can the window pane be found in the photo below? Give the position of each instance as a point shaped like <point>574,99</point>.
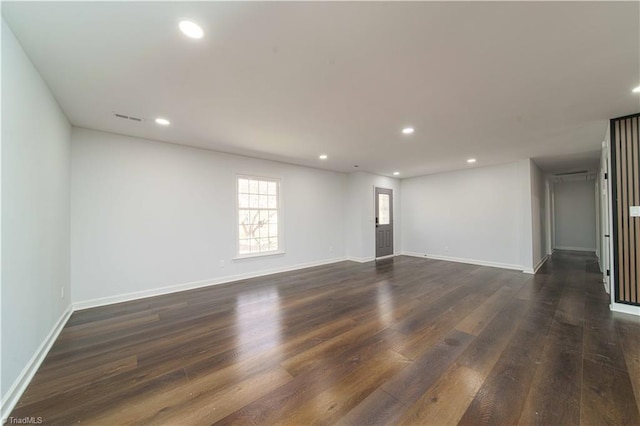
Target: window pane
<point>243,186</point>
<point>273,216</point>
<point>271,188</point>
<point>243,200</point>
<point>383,209</point>
<point>264,216</point>
<point>273,229</point>
<point>253,186</point>
<point>273,244</point>
<point>254,201</point>
<point>243,216</point>
<point>242,232</point>
<point>272,202</point>
<point>264,202</point>
<point>254,218</point>
<point>263,187</point>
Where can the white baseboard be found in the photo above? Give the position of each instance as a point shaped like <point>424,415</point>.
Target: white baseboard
<point>539,265</point>
<point>109,300</point>
<point>624,308</point>
<point>361,259</point>
<point>20,385</point>
<point>592,250</point>
<point>463,260</point>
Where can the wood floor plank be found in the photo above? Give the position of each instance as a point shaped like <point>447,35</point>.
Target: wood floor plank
<point>414,347</point>
<point>555,394</point>
<point>602,344</point>
<point>475,322</point>
<point>205,400</point>
<point>408,385</point>
<point>501,397</point>
<point>483,353</point>
<point>629,333</point>
<point>89,400</point>
<point>447,400</point>
<point>47,386</point>
<point>312,382</point>
<point>330,405</point>
<point>607,396</point>
<point>378,409</point>
<point>308,359</point>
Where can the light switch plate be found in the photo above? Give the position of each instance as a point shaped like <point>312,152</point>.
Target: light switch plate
<point>634,211</point>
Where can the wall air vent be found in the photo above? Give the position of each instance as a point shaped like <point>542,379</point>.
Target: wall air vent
<point>127,117</point>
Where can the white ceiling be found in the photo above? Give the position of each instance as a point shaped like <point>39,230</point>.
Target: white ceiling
<point>288,81</point>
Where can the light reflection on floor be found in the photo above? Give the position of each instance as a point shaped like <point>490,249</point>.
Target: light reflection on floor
<point>385,303</point>
<point>258,324</point>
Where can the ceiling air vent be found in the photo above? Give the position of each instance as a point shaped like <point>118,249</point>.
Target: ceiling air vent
<point>581,175</point>
<point>127,117</point>
<point>581,172</point>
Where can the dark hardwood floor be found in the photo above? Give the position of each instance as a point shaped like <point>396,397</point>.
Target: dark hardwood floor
<point>401,341</point>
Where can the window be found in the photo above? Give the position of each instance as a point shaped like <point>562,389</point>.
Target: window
<point>258,216</point>
<point>383,209</point>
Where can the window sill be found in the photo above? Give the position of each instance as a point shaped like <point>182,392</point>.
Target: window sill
<point>258,255</point>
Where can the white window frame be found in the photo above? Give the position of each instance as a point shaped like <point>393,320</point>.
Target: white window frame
<point>279,209</point>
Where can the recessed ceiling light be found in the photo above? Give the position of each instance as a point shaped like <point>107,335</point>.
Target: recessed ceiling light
<point>471,160</point>
<point>636,90</point>
<point>163,121</point>
<point>191,29</point>
<point>408,130</point>
<point>396,173</point>
<point>323,156</point>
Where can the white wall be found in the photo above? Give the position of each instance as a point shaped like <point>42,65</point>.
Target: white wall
<point>35,214</point>
<point>360,243</point>
<point>575,217</point>
<point>538,212</point>
<point>148,215</point>
<point>478,215</point>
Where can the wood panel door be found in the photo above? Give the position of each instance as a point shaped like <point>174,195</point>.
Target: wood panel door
<point>625,160</point>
